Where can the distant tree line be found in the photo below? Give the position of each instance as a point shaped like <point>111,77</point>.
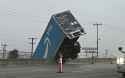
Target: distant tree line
<point>13,54</point>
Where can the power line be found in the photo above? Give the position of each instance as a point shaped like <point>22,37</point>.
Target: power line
<point>97,24</point>
<point>4,49</point>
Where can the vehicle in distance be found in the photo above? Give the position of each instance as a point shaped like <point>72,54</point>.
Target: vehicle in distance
<point>121,62</point>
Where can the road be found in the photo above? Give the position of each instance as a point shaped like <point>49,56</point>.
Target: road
<point>50,71</point>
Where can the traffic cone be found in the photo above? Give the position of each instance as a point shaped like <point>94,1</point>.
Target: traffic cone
<point>60,65</point>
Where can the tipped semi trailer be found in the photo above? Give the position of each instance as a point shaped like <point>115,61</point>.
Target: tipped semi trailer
<point>61,35</point>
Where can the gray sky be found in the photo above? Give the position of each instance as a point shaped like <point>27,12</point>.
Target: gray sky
<point>20,19</point>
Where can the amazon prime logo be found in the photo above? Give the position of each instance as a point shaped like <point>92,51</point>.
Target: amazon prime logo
<point>47,43</point>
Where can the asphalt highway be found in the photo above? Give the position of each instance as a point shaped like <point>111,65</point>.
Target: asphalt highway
<point>50,71</point>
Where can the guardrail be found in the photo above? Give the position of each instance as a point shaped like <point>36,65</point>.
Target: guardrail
<point>94,60</point>
<point>38,62</point>
<point>20,61</point>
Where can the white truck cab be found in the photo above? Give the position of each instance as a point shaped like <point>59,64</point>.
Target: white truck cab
<point>121,63</point>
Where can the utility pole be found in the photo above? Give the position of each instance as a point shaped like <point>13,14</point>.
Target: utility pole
<point>32,44</point>
<point>4,49</point>
<point>97,24</point>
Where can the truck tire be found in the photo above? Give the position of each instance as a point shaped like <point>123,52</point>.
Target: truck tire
<point>123,75</point>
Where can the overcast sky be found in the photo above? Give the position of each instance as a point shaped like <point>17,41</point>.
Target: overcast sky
<point>20,19</point>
